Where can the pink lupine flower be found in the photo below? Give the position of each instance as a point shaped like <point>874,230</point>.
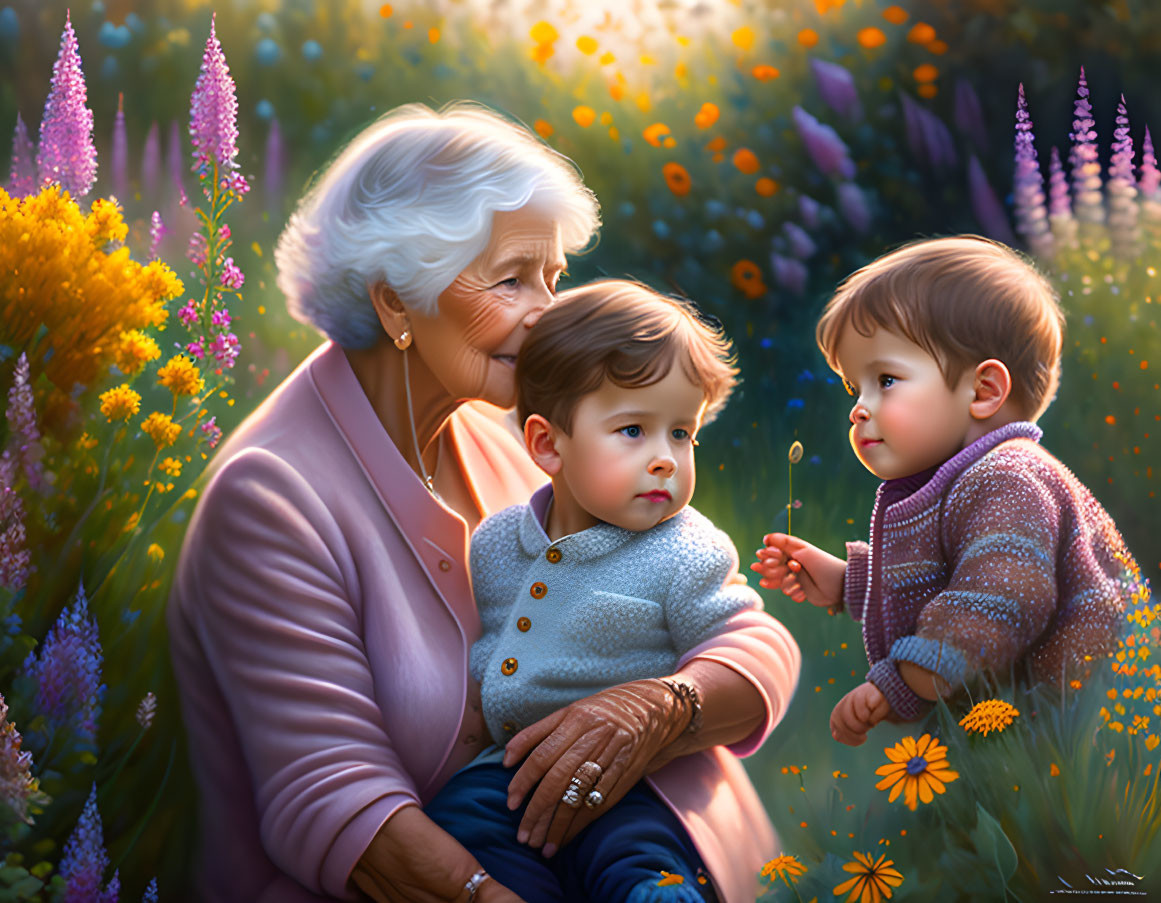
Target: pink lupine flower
<point>1121,189</point>
<point>157,231</point>
<point>66,153</point>
<point>1060,216</point>
<point>17,785</point>
<point>1028,184</point>
<point>836,87</point>
<point>188,313</point>
<point>824,146</point>
<point>198,250</point>
<point>232,275</point>
<point>120,152</point>
<point>22,175</point>
<point>213,126</point>
<point>213,431</point>
<point>196,348</point>
<point>146,709</point>
<point>225,347</point>
<point>14,556</point>
<point>1084,159</point>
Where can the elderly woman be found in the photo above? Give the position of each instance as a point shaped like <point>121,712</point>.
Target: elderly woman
<point>321,615</point>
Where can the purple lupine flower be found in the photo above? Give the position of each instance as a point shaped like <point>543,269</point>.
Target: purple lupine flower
<point>1028,185</point>
<point>174,158</point>
<point>213,116</point>
<point>836,87</point>
<point>84,861</point>
<point>825,147</point>
<point>1150,179</point>
<point>232,275</point>
<point>927,136</point>
<point>14,556</point>
<point>22,428</point>
<point>66,153</point>
<point>1084,160</point>
<point>17,785</point>
<point>789,273</point>
<point>151,161</point>
<point>157,231</point>
<point>67,672</point>
<point>853,205</point>
<point>802,245</point>
<point>112,892</point>
<point>986,206</point>
<point>1060,216</point>
<point>146,709</point>
<point>120,152</point>
<point>188,313</point>
<point>810,210</point>
<point>22,175</point>
<point>1124,230</point>
<point>150,895</point>
<point>969,115</point>
<point>275,170</point>
<point>213,431</point>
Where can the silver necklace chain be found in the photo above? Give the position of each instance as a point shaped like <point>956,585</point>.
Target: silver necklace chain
<point>428,481</point>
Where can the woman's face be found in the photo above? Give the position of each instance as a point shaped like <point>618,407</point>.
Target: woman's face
<point>471,343</point>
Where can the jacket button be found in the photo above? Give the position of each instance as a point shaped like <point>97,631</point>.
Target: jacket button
<point>508,667</point>
<point>553,555</point>
<point>509,727</point>
<point>444,564</point>
<point>538,590</point>
<point>522,624</point>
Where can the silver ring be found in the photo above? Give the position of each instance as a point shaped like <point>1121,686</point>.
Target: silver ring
<point>589,771</point>
<point>594,799</point>
<point>572,796</point>
<point>474,883</point>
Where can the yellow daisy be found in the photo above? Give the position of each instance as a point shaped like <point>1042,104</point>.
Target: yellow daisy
<point>134,350</point>
<point>120,403</point>
<point>788,868</point>
<point>181,376</point>
<point>873,879</point>
<point>989,715</point>
<point>161,429</point>
<point>917,768</point>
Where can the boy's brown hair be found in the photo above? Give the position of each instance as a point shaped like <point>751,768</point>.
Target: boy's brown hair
<point>963,299</point>
<point>623,331</point>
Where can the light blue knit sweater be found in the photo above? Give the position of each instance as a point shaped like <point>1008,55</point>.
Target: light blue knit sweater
<point>616,606</point>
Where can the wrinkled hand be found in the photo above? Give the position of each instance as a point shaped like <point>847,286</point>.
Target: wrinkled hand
<point>857,712</point>
<point>413,860</point>
<point>623,729</point>
<point>803,571</point>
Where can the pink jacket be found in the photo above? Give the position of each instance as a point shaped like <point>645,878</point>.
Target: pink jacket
<point>320,622</point>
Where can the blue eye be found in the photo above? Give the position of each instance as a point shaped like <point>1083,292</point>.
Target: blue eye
<point>631,431</point>
<point>886,381</point>
<point>680,435</point>
<point>508,283</point>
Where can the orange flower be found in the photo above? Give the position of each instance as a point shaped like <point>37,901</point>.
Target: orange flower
<point>747,278</point>
<point>764,72</point>
<point>584,116</point>
<point>896,15</point>
<point>586,45</point>
<point>743,37</point>
<point>921,33</point>
<point>676,178</point>
<point>543,33</point>
<point>386,10</point>
<point>718,144</point>
<point>927,91</point>
<point>939,48</point>
<point>808,37</point>
<point>616,90</point>
<point>543,129</point>
<point>542,52</point>
<point>706,116</point>
<point>654,133</point>
<point>925,73</point>
<point>433,35</point>
<point>871,37</point>
<point>746,161</point>
<point>766,187</point>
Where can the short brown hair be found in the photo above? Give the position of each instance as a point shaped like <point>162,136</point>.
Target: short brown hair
<point>963,299</point>
<point>623,331</point>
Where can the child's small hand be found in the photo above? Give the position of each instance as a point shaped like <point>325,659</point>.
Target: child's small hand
<point>803,571</point>
<point>857,712</point>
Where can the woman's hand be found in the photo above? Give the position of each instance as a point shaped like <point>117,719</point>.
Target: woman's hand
<point>413,860</point>
<point>622,729</point>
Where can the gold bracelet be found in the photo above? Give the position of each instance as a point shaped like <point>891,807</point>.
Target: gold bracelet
<point>686,693</point>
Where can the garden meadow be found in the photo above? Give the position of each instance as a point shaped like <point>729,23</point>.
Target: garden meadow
<point>747,155</point>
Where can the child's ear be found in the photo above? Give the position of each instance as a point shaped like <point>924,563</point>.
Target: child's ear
<point>540,438</point>
<point>992,384</point>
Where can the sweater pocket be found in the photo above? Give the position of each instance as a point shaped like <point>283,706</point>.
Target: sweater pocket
<point>610,622</point>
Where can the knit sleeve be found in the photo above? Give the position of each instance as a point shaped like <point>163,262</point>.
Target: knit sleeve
<point>490,563</point>
<point>703,595</point>
<point>1000,529</point>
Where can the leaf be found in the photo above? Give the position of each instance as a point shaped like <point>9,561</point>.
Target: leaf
<point>993,844</point>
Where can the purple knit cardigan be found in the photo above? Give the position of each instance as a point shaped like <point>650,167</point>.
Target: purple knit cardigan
<point>997,559</point>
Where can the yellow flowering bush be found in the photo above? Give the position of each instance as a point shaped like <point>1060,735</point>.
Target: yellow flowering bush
<point>161,429</point>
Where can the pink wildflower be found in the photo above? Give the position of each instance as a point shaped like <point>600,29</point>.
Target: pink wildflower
<point>198,250</point>
<point>213,431</point>
<point>213,126</point>
<point>189,313</point>
<point>220,318</point>
<point>17,785</point>
<point>225,347</point>
<point>157,231</point>
<point>196,348</point>
<point>22,175</point>
<point>66,152</point>
<point>14,557</point>
<point>22,428</point>
<point>232,275</point>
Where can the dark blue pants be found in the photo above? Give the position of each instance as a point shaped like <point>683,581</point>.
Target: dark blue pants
<point>616,859</point>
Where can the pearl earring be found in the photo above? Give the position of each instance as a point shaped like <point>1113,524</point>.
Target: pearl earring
<point>404,340</point>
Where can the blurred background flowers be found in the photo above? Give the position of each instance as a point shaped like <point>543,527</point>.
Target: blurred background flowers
<point>747,154</point>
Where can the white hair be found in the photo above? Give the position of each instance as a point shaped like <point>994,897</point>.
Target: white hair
<point>409,201</point>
